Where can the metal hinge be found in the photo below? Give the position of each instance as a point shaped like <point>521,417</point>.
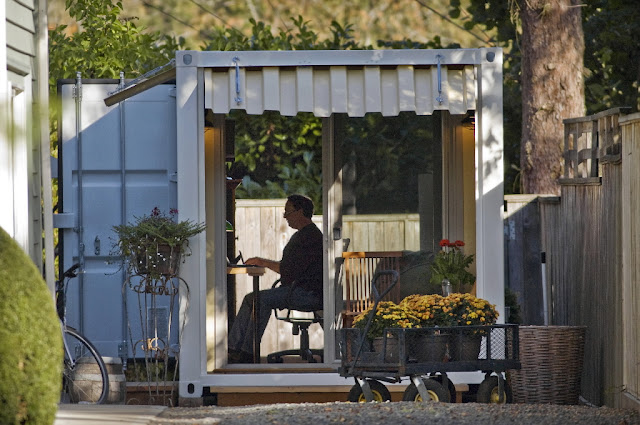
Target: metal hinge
<point>77,92</point>
<point>77,87</point>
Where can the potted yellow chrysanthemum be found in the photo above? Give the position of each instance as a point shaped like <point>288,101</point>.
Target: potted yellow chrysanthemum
<point>466,310</point>
<point>387,315</point>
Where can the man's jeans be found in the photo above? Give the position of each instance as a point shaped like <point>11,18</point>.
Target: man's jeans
<point>241,333</point>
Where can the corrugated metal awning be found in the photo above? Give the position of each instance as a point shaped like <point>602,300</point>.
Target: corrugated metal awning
<point>354,90</point>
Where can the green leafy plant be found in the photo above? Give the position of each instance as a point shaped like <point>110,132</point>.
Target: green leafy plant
<point>451,263</point>
<point>155,242</point>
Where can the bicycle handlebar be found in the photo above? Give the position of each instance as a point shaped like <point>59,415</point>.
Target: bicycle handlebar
<point>72,271</point>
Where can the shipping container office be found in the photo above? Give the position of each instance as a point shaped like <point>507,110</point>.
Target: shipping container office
<point>325,83</point>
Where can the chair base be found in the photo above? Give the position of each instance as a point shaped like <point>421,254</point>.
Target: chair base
<point>307,354</point>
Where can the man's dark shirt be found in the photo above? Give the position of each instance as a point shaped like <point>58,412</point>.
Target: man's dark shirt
<point>302,259</point>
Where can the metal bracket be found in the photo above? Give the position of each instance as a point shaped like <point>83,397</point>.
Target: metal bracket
<point>238,99</point>
<point>440,99</point>
<point>366,389</point>
<point>123,349</point>
<point>422,390</point>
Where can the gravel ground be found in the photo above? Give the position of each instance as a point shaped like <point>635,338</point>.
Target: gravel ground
<point>398,413</point>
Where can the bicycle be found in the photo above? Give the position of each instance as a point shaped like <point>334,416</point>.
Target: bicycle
<point>85,378</point>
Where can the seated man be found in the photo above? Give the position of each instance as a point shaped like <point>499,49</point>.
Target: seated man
<point>301,264</point>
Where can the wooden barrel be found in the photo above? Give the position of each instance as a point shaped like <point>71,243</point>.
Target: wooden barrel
<point>88,381</point>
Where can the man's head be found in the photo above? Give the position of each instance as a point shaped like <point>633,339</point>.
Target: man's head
<point>301,202</point>
<point>298,211</point>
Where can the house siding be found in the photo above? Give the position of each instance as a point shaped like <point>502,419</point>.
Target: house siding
<point>24,95</point>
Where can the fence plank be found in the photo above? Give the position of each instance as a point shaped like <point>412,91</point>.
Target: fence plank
<point>583,237</point>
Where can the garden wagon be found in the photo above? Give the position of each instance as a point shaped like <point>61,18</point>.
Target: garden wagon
<point>425,356</point>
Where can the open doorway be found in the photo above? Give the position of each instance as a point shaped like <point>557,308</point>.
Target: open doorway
<point>385,194</point>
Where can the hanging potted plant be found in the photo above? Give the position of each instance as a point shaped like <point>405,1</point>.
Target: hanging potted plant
<point>155,244</point>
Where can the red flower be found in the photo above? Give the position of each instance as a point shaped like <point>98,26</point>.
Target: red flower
<point>458,243</point>
<point>444,242</point>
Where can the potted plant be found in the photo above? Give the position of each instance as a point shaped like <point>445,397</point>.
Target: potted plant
<point>451,264</point>
<point>455,310</point>
<point>428,345</point>
<point>155,244</point>
<point>467,310</point>
<point>387,315</point>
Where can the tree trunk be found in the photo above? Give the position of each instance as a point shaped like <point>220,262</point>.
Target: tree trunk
<point>552,87</point>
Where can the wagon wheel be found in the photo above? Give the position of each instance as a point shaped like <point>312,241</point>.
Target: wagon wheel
<point>450,385</point>
<point>488,392</point>
<point>380,392</point>
<point>435,390</point>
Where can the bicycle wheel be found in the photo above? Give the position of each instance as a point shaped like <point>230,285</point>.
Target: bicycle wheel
<point>85,378</point>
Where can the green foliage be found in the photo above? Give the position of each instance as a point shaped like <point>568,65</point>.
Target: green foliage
<point>611,58</point>
<point>388,155</point>
<point>300,37</point>
<point>511,301</point>
<point>612,55</point>
<point>141,241</point>
<point>31,343</point>
<point>105,45</point>
<point>276,155</point>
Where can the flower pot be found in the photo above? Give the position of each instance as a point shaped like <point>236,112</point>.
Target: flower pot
<point>464,347</point>
<point>427,347</point>
<point>391,350</point>
<point>165,261</point>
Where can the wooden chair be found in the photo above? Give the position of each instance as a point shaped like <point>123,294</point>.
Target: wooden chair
<point>359,268</point>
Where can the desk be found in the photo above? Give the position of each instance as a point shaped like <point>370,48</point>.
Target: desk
<point>255,272</point>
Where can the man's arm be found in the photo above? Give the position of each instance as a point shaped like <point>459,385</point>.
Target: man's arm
<point>264,262</point>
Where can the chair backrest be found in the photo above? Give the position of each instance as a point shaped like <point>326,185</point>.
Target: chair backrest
<point>359,268</point>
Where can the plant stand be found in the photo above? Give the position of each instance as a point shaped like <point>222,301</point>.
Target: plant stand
<point>155,359</point>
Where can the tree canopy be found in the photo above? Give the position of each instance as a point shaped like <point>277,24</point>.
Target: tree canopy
<point>108,41</point>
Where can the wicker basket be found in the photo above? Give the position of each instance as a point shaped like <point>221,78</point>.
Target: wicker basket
<point>552,359</point>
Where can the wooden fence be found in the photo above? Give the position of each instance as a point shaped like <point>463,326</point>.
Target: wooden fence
<point>262,231</point>
<point>591,238</point>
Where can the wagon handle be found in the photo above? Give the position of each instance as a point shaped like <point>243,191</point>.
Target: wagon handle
<point>377,297</point>
<point>374,289</point>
